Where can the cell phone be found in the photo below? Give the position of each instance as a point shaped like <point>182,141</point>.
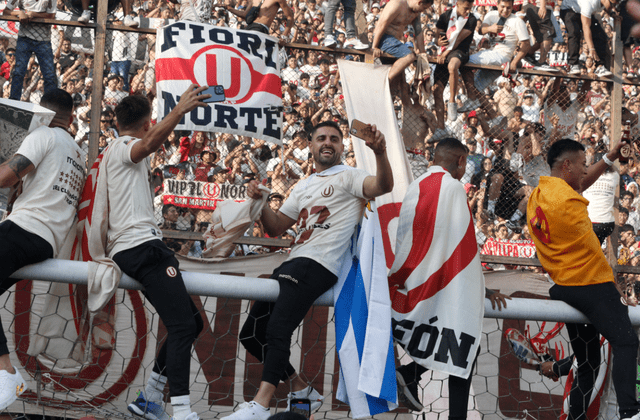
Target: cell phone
<point>483,183</point>
<point>360,129</point>
<point>301,406</point>
<point>216,92</point>
<point>246,146</point>
<point>501,21</point>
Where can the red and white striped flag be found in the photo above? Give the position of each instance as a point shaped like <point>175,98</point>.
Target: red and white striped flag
<point>436,281</point>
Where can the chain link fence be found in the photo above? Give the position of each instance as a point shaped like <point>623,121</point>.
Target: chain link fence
<point>508,126</point>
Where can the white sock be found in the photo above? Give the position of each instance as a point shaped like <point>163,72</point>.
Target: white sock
<point>492,206</point>
<point>155,387</point>
<point>260,405</point>
<point>181,407</point>
<point>516,216</point>
<point>303,392</point>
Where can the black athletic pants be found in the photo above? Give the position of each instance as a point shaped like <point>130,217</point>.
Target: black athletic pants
<point>17,249</point>
<point>266,334</point>
<point>600,303</point>
<point>573,24</point>
<point>156,267</point>
<point>458,390</point>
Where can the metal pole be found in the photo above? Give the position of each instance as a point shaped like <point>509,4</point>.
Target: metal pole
<point>203,284</point>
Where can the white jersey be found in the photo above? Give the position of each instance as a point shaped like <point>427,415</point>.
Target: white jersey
<point>601,195</point>
<point>327,207</point>
<point>586,8</point>
<point>513,32</point>
<point>131,216</point>
<point>50,192</point>
<point>568,118</point>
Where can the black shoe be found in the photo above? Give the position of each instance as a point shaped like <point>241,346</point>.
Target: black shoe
<point>408,390</point>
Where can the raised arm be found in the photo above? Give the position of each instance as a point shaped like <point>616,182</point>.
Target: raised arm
<point>157,134</point>
<point>382,182</point>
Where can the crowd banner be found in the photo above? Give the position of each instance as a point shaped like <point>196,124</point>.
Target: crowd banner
<point>244,67</point>
<point>200,195</point>
<point>509,248</point>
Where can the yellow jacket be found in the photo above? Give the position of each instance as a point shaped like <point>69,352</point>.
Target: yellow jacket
<point>565,242</point>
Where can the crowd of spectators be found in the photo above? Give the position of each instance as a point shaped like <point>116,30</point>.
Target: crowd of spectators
<point>520,116</point>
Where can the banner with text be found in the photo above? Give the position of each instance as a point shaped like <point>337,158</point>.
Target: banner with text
<point>200,195</point>
<point>509,248</point>
<point>244,67</point>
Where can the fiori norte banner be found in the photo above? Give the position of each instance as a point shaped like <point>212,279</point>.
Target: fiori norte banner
<point>200,195</point>
<point>242,64</point>
<point>509,248</point>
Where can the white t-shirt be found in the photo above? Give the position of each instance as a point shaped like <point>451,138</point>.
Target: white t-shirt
<point>568,118</point>
<point>327,208</point>
<point>531,113</point>
<point>50,192</point>
<point>601,195</point>
<point>131,216</point>
<point>125,45</point>
<point>584,7</point>
<point>513,32</point>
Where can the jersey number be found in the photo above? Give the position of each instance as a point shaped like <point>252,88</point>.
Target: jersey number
<point>304,215</point>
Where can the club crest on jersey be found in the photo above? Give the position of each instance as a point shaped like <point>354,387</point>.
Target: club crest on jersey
<point>328,192</point>
<point>172,272</point>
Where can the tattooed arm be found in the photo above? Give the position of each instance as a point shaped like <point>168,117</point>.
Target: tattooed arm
<point>12,171</point>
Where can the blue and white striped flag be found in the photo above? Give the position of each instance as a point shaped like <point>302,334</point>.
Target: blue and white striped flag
<point>363,324</point>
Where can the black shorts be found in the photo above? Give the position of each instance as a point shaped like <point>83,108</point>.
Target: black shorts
<point>257,27</point>
<point>543,29</point>
<point>441,73</point>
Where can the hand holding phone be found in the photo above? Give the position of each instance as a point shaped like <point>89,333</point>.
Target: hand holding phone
<point>360,129</point>
<point>301,406</point>
<point>216,92</point>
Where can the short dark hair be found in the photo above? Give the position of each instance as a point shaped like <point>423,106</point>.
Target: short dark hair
<point>626,193</point>
<point>506,1</point>
<point>627,228</point>
<point>473,130</point>
<point>287,415</point>
<point>167,207</point>
<point>623,210</point>
<point>451,144</point>
<point>57,100</point>
<point>329,123</point>
<point>561,147</point>
<point>517,109</point>
<point>132,111</point>
<point>11,49</point>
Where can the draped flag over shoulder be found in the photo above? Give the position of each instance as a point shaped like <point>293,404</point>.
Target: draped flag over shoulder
<point>436,282</point>
<point>242,65</point>
<point>363,324</point>
<point>367,365</point>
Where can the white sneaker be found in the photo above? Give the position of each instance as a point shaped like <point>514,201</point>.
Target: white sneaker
<point>330,41</point>
<point>355,43</point>
<point>85,17</point>
<point>11,387</point>
<point>314,397</point>
<point>192,416</point>
<point>249,411</point>
<point>452,111</point>
<point>574,69</point>
<point>131,22</point>
<point>602,71</point>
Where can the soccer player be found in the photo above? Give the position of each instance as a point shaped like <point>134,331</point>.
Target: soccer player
<point>327,206</point>
<point>51,167</point>
<point>570,252</point>
<point>134,242</point>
